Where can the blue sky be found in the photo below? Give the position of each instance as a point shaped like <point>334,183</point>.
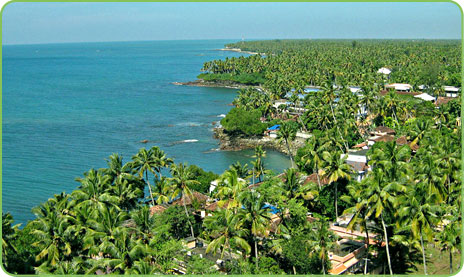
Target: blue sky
<point>26,23</point>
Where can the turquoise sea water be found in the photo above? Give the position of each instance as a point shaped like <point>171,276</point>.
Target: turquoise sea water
<point>66,107</point>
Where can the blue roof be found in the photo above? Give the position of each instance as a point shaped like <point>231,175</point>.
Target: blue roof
<point>275,127</point>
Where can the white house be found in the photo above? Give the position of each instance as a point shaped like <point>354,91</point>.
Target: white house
<point>399,87</point>
<point>451,91</point>
<point>384,70</point>
<point>425,97</point>
<point>358,161</point>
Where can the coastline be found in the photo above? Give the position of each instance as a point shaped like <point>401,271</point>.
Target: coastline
<point>222,84</point>
<point>230,143</point>
<point>240,51</point>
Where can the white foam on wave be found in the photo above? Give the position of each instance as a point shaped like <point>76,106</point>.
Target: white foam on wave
<point>189,124</point>
<point>221,115</point>
<point>190,140</point>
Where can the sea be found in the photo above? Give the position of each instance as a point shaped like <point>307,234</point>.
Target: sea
<point>67,107</point>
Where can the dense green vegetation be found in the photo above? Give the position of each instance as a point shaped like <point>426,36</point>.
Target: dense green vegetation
<point>296,63</point>
<point>408,202</point>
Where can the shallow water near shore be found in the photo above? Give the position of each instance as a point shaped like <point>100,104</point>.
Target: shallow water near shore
<point>67,107</point>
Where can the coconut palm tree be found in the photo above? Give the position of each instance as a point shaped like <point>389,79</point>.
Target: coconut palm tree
<point>359,206</point>
<point>144,162</point>
<point>242,170</point>
<point>93,190</point>
<point>335,169</point>
<point>381,193</point>
<point>322,240</point>
<point>255,216</point>
<point>417,209</point>
<point>182,180</point>
<point>229,189</point>
<point>160,160</point>
<point>287,132</point>
<point>226,229</point>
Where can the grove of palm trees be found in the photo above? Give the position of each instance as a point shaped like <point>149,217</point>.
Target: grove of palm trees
<point>137,216</point>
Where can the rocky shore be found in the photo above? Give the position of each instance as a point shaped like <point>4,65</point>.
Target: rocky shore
<point>216,84</point>
<point>231,143</point>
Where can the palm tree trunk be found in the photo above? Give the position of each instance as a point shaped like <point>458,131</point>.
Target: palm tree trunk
<point>386,244</point>
<point>256,255</point>
<point>149,188</point>
<point>294,270</point>
<point>423,254</point>
<point>367,247</point>
<point>451,261</point>
<point>318,179</point>
<point>336,208</point>
<point>290,153</point>
<point>338,129</point>
<point>323,265</point>
<point>188,219</point>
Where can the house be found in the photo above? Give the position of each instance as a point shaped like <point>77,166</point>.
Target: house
<point>425,97</point>
<point>279,102</point>
<point>384,70</point>
<point>399,87</point>
<point>358,162</point>
<point>451,91</point>
<point>272,131</point>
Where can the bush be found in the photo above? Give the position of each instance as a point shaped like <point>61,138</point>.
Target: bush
<point>240,121</point>
<point>205,178</point>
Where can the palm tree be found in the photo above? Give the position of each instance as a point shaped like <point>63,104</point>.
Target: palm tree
<point>161,190</point>
<point>160,160</point>
<point>287,132</point>
<point>9,234</point>
<point>94,190</point>
<point>313,156</point>
<point>182,180</point>
<point>242,170</point>
<point>359,206</point>
<point>256,216</point>
<point>226,228</point>
<point>144,221</point>
<point>144,162</point>
<point>229,189</point>
<point>449,238</point>
<point>417,209</point>
<point>56,235</point>
<point>335,168</point>
<point>116,169</point>
<point>380,194</point>
<point>258,166</point>
<point>322,240</point>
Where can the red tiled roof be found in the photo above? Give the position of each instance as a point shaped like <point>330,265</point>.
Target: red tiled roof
<point>385,129</point>
<point>212,207</point>
<point>196,195</point>
<point>384,138</point>
<point>443,100</point>
<point>385,92</point>
<point>158,209</point>
<point>313,178</point>
<point>361,145</point>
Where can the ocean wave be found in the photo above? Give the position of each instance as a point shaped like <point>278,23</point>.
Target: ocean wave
<point>189,124</point>
<point>222,115</point>
<point>183,141</point>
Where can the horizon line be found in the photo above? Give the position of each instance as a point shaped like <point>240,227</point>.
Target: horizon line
<point>238,40</point>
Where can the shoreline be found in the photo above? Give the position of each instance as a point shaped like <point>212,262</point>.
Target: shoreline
<point>230,143</point>
<point>223,84</point>
<point>238,50</point>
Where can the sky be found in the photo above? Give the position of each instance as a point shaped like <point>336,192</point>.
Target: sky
<point>31,23</point>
